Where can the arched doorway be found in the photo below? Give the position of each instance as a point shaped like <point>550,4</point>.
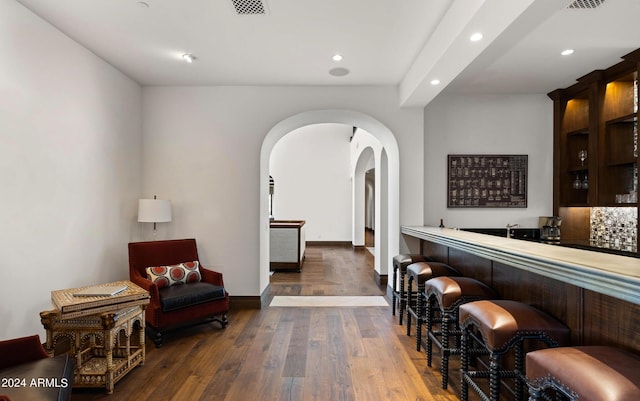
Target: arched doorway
<point>369,206</point>
<point>389,230</point>
<point>365,158</point>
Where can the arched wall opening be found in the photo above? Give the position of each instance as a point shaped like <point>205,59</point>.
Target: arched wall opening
<point>383,221</point>
<point>358,196</point>
<point>311,167</point>
<point>369,198</point>
<point>369,152</point>
<point>356,119</point>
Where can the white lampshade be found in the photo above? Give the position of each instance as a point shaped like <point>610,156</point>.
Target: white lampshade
<point>154,210</point>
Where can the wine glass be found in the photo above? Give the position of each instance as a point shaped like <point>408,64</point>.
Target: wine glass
<point>582,155</point>
<point>577,183</point>
<point>585,182</point>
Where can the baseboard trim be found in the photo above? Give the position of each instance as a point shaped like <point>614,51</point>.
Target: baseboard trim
<point>328,243</point>
<point>381,279</point>
<point>274,266</point>
<point>245,302</point>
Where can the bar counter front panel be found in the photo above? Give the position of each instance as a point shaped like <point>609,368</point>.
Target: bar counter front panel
<point>287,244</point>
<point>597,295</point>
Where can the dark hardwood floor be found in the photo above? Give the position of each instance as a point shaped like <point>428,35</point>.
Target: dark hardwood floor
<point>328,354</point>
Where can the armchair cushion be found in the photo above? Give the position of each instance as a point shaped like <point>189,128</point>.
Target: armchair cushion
<point>181,296</point>
<point>44,379</point>
<point>181,273</point>
<point>25,359</point>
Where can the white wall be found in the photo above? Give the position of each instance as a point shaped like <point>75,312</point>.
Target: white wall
<point>489,124</point>
<point>310,167</point>
<point>368,152</point>
<point>369,196</point>
<point>70,146</point>
<point>203,151</point>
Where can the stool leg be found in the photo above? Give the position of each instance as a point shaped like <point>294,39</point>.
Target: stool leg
<point>444,365</point>
<point>408,303</point>
<point>519,367</point>
<point>464,365</point>
<point>393,290</point>
<point>494,377</point>
<point>429,325</point>
<point>456,317</point>
<point>403,298</point>
<point>419,313</point>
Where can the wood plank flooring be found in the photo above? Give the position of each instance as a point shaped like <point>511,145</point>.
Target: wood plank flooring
<point>292,354</point>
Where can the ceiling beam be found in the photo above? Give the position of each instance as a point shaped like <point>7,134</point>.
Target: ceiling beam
<point>449,51</point>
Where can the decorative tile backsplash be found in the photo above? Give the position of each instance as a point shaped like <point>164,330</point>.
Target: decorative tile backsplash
<point>614,228</point>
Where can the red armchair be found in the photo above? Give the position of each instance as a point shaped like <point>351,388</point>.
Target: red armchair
<point>181,305</point>
<point>24,361</point>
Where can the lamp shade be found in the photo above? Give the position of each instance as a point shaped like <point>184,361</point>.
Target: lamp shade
<point>154,210</point>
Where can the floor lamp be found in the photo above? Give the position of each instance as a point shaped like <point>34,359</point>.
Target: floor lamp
<point>154,211</point>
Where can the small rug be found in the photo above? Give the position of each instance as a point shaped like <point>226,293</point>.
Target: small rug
<point>328,301</point>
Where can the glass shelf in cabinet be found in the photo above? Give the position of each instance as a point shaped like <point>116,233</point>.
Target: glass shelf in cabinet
<point>626,162</point>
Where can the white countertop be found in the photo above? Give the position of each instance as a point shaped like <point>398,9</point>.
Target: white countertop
<point>614,275</point>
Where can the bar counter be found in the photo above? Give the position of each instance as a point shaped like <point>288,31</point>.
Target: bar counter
<point>597,295</point>
<point>614,275</point>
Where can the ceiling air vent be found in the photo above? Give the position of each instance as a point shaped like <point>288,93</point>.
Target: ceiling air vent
<point>250,7</point>
<point>585,4</point>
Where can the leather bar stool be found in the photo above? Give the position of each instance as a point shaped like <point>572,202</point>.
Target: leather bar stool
<point>419,273</point>
<point>591,373</point>
<point>497,327</point>
<point>443,297</point>
<point>400,263</point>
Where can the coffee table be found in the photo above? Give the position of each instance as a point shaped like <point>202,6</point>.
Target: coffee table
<point>106,333</point>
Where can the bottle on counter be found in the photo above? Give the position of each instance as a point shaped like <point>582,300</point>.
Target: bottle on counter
<point>441,223</point>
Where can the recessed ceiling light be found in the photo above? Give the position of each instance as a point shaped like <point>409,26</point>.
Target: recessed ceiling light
<point>567,52</point>
<point>188,57</point>
<point>435,82</point>
<point>338,72</point>
<point>337,57</point>
<point>475,37</point>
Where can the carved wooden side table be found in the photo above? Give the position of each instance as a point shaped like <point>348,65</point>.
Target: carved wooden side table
<point>106,333</point>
